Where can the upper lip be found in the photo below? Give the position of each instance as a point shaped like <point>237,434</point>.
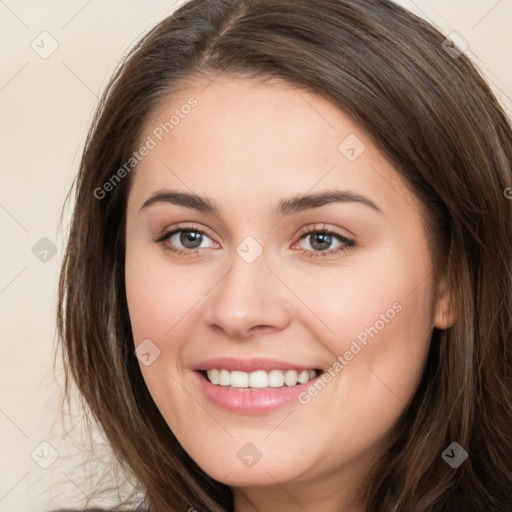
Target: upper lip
<point>250,365</point>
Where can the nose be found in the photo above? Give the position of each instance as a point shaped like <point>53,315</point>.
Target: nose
<point>249,299</point>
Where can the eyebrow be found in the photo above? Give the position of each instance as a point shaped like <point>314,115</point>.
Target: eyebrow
<point>285,207</point>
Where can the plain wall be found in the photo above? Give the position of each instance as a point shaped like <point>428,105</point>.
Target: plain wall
<point>46,106</point>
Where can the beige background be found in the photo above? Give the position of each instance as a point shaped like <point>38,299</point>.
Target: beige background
<point>46,106</point>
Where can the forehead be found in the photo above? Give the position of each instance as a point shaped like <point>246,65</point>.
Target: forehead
<point>234,138</point>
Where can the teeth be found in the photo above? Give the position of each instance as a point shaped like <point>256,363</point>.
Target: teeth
<point>259,378</point>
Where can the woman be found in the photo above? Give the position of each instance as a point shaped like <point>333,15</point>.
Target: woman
<point>288,279</point>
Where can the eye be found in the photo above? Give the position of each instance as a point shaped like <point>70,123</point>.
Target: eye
<point>185,240</point>
<point>188,239</point>
<point>315,242</point>
<point>323,242</point>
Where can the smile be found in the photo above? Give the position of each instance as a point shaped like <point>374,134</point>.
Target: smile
<point>259,379</point>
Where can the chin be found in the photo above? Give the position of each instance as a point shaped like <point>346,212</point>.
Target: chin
<point>243,463</point>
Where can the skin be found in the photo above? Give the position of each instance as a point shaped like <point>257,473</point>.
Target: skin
<point>246,147</point>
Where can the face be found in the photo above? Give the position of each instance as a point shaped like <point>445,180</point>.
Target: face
<point>272,250</point>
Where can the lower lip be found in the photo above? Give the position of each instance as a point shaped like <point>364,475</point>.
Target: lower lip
<point>252,402</point>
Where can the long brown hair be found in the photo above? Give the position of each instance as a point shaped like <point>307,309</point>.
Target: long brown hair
<point>435,119</point>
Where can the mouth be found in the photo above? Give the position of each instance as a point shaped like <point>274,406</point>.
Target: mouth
<point>256,392</point>
<point>258,380</point>
<point>254,386</point>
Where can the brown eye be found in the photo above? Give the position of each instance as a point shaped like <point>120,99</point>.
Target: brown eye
<point>320,241</point>
<point>183,240</point>
<point>191,239</point>
<point>323,242</point>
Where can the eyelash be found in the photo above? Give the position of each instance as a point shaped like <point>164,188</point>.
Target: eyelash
<point>347,243</point>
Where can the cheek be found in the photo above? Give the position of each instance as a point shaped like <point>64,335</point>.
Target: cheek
<point>341,304</point>
<point>376,323</point>
<point>160,295</point>
<point>162,303</point>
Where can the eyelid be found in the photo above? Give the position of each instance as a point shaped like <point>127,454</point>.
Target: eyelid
<point>323,228</point>
<point>166,233</point>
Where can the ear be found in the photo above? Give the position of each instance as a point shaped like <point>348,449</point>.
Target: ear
<point>444,312</point>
